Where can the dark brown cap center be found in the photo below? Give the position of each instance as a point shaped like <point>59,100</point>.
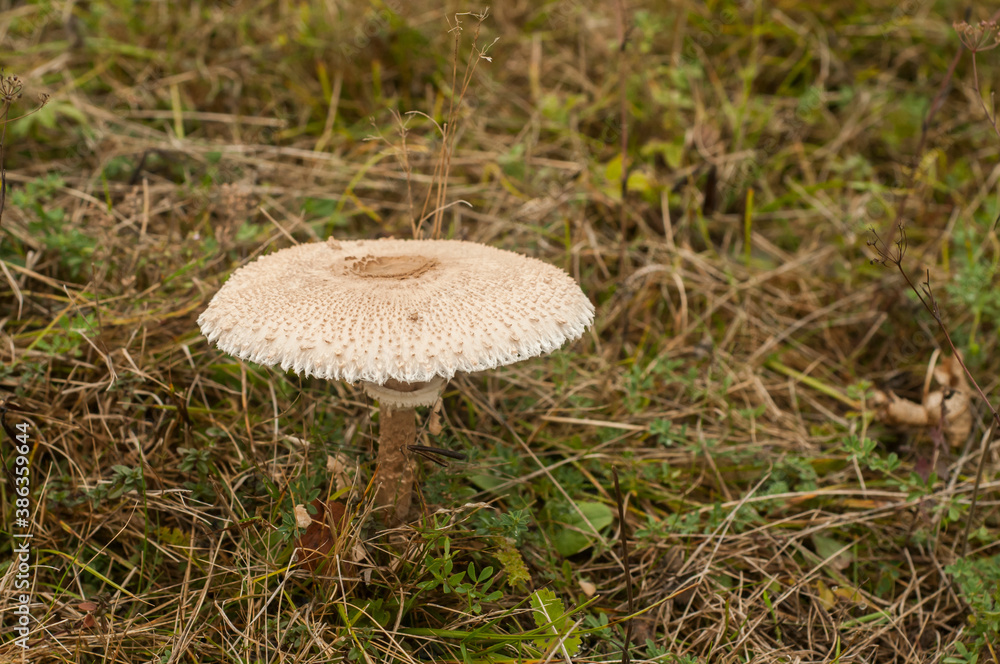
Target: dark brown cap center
<point>391,267</point>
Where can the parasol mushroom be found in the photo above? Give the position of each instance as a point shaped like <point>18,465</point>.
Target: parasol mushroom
<point>400,316</point>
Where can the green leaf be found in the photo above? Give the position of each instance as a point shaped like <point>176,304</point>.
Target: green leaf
<point>549,611</point>
<point>672,153</point>
<point>639,180</point>
<point>486,482</point>
<point>827,548</point>
<point>513,564</point>
<point>319,207</point>
<point>575,535</point>
<point>613,170</point>
<point>173,536</point>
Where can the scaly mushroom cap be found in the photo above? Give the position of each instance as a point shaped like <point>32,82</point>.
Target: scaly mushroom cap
<point>407,310</point>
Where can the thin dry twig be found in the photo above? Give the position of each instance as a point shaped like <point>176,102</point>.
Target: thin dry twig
<point>936,103</point>
<point>449,128</point>
<point>623,138</point>
<point>983,36</point>
<point>925,294</point>
<point>10,91</point>
<point>623,544</point>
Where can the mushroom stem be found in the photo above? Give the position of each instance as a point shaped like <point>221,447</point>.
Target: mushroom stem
<point>397,431</point>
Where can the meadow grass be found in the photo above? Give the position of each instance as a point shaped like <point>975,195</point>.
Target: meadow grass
<point>725,389</point>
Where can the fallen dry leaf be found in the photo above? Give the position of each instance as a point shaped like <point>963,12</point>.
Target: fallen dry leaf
<point>336,466</point>
<point>950,374</point>
<point>302,518</point>
<point>434,423</point>
<point>954,406</point>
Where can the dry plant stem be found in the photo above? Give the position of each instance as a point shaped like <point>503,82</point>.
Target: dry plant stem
<point>8,406</point>
<point>926,298</point>
<point>975,489</point>
<point>441,168</point>
<point>3,170</point>
<point>405,158</point>
<point>10,90</point>
<point>936,104</point>
<point>623,111</point>
<point>453,105</point>
<point>446,147</point>
<point>448,128</point>
<point>397,431</point>
<point>991,117</point>
<point>623,540</point>
<point>929,303</point>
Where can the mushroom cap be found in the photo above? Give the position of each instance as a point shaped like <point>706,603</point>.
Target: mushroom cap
<point>407,310</point>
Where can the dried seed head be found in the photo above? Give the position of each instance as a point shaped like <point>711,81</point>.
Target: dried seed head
<point>978,37</point>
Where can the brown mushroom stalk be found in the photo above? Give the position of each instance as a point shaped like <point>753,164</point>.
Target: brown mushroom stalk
<point>397,431</point>
<point>401,317</point>
<point>396,466</point>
